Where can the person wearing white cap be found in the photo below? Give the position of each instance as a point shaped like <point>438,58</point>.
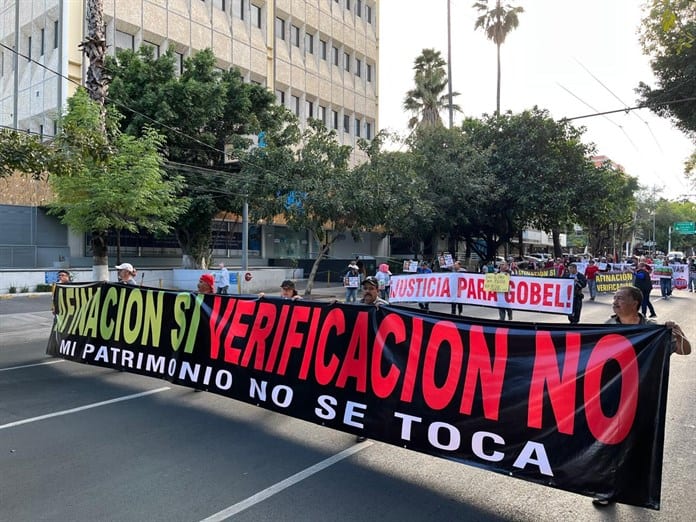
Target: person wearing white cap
<point>126,274</point>
<point>352,281</point>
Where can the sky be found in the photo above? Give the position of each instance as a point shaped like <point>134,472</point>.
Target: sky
<point>570,57</point>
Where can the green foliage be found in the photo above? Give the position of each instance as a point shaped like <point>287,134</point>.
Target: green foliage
<point>668,36</point>
<point>12,289</point>
<point>115,183</point>
<point>22,152</point>
<point>215,107</point>
<point>43,287</point>
<point>426,100</point>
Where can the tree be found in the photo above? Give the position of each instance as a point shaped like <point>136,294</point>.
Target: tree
<point>668,36</point>
<point>497,23</point>
<point>23,152</point>
<point>426,99</point>
<point>204,113</point>
<point>111,181</point>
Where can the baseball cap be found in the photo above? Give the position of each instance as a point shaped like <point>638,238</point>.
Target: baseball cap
<point>371,280</point>
<point>208,279</point>
<point>287,284</point>
<point>125,266</point>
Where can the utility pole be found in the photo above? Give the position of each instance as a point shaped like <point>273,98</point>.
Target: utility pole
<point>449,63</point>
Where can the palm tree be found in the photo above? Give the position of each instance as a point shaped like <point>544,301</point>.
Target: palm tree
<point>497,23</point>
<point>426,99</point>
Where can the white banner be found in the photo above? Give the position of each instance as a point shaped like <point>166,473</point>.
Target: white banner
<point>539,294</point>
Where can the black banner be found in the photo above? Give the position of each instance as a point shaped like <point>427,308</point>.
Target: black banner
<point>580,409</point>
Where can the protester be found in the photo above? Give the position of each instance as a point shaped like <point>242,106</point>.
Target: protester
<point>627,301</point>
<point>591,275</point>
<point>351,281</point>
<point>580,283</point>
<point>666,280</point>
<point>504,269</point>
<point>222,279</point>
<point>370,296</point>
<point>383,276</point>
<point>126,274</point>
<point>288,290</point>
<point>424,269</point>
<point>458,308</point>
<point>63,276</point>
<point>642,281</point>
<point>206,284</point>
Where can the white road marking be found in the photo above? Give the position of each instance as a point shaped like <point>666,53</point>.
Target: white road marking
<point>30,365</point>
<point>284,484</point>
<point>82,408</point>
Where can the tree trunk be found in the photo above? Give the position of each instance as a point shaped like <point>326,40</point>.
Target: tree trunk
<point>556,235</point>
<point>497,97</point>
<point>322,253</point>
<point>100,259</point>
<point>94,47</point>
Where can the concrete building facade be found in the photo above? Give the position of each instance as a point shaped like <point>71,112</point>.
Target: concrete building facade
<point>319,57</point>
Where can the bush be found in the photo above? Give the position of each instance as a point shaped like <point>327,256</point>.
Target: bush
<point>12,289</point>
<point>24,290</point>
<point>43,287</point>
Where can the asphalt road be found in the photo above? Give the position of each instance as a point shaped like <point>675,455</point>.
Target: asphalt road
<point>82,443</point>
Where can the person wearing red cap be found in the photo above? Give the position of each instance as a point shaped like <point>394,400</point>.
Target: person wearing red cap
<point>206,284</point>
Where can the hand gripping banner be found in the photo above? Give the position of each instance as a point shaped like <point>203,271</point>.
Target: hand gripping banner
<point>580,409</point>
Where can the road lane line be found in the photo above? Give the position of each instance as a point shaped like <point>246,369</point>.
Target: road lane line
<point>85,407</point>
<point>284,484</point>
<point>30,365</point>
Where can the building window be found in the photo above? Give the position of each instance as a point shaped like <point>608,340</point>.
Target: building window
<point>334,119</point>
<point>334,55</point>
<point>358,67</point>
<point>322,47</point>
<point>220,4</point>
<point>348,4</point>
<point>358,7</point>
<point>368,130</point>
<point>280,28</point>
<point>29,47</point>
<point>358,124</point>
<point>123,41</point>
<point>242,8</point>
<point>2,64</point>
<point>256,15</point>
<point>346,123</point>
<point>368,71</point>
<point>309,109</point>
<point>295,35</point>
<point>346,61</point>
<point>321,116</point>
<point>56,35</point>
<point>295,105</point>
<point>280,97</point>
<point>43,41</point>
<point>155,48</point>
<point>368,14</point>
<point>309,43</point>
<point>178,63</point>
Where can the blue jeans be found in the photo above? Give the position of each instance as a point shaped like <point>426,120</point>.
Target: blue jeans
<point>351,295</point>
<point>666,286</point>
<point>592,285</point>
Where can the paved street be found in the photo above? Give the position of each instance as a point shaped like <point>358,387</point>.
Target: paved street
<point>84,443</point>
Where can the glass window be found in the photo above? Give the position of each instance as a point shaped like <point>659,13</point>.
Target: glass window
<point>242,8</point>
<point>346,123</point>
<point>309,43</point>
<point>56,35</point>
<point>368,130</point>
<point>280,97</point>
<point>29,47</point>
<point>346,61</point>
<point>43,41</point>
<point>280,28</point>
<point>123,41</point>
<point>358,124</point>
<point>368,71</point>
<point>323,46</point>
<point>358,7</point>
<point>256,15</point>
<point>348,4</point>
<point>295,107</point>
<point>322,114</point>
<point>334,52</point>
<point>358,67</point>
<point>295,35</point>
<point>368,14</point>
<point>309,109</point>
<point>334,119</point>
<point>155,48</point>
<point>178,63</point>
